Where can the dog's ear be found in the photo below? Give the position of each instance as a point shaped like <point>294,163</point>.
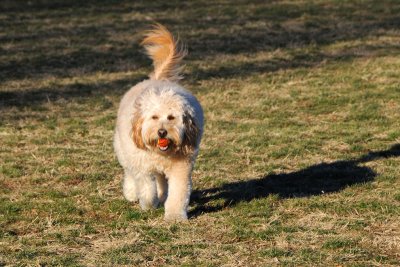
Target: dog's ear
<point>191,135</point>
<point>137,130</point>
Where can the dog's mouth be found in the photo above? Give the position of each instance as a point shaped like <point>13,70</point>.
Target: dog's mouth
<point>163,144</point>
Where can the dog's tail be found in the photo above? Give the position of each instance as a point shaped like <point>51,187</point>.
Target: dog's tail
<point>166,53</point>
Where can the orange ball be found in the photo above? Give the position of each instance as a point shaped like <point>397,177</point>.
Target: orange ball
<point>163,142</point>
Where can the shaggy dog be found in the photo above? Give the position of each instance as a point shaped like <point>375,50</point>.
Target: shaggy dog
<point>158,131</point>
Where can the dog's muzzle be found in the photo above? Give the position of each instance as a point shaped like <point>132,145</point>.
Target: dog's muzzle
<point>162,142</point>
<point>162,133</point>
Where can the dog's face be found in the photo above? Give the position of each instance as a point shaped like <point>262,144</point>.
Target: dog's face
<point>161,124</point>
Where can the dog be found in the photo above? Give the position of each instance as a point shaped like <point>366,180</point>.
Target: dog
<point>158,131</point>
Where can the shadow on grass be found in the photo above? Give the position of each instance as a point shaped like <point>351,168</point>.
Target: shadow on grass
<point>308,60</point>
<point>97,37</point>
<point>55,93</point>
<point>312,181</point>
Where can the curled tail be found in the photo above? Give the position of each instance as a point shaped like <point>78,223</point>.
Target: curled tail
<point>166,53</point>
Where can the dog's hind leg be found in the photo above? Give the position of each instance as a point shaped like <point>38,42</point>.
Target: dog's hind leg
<point>147,191</point>
<point>129,187</point>
<point>162,188</point>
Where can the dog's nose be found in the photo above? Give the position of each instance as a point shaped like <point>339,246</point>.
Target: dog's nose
<point>162,133</point>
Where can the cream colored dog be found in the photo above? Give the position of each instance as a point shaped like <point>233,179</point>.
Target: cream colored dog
<point>158,131</point>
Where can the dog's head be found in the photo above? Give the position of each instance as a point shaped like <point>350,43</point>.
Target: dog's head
<point>164,123</point>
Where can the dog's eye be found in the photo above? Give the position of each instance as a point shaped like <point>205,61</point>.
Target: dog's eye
<point>154,117</point>
<point>170,117</point>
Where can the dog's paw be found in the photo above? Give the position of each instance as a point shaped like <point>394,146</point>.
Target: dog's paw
<point>148,205</point>
<point>171,217</point>
<point>132,198</point>
<point>130,194</point>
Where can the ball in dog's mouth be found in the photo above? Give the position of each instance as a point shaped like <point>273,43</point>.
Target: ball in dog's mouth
<point>163,144</point>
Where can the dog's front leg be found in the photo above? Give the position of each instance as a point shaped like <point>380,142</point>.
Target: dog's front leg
<point>179,188</point>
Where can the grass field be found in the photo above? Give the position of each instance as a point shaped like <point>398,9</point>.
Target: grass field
<point>299,164</point>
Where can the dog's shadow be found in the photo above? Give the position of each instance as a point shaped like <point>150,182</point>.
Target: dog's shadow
<point>314,180</point>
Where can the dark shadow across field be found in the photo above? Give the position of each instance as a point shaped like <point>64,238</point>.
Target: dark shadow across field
<point>312,181</point>
<point>208,28</point>
<point>76,90</point>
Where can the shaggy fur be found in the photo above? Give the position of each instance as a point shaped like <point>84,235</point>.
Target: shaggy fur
<point>153,109</point>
